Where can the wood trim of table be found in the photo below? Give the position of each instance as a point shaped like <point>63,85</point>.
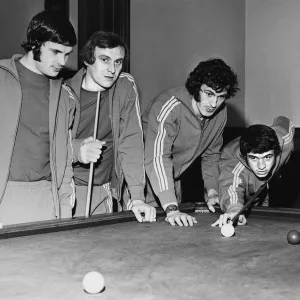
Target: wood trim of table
<point>34,228</point>
<point>27,229</point>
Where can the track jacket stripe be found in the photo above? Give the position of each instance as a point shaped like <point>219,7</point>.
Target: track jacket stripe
<point>236,180</point>
<point>289,136</point>
<point>159,143</point>
<point>137,104</point>
<point>138,111</point>
<point>109,200</point>
<point>69,91</point>
<point>72,196</point>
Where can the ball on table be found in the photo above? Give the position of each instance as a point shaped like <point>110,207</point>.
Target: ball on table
<point>227,230</point>
<point>293,237</point>
<point>93,282</point>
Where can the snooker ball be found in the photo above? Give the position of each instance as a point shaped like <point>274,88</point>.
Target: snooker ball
<point>227,230</point>
<point>293,237</point>
<point>93,282</point>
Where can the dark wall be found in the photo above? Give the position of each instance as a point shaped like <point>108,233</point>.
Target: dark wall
<point>107,15</point>
<point>285,190</point>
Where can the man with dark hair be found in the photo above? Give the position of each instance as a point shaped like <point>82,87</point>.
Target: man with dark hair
<point>43,29</point>
<point>249,162</point>
<point>36,113</point>
<point>182,124</point>
<point>118,149</point>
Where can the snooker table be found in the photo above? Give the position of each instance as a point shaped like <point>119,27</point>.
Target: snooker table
<point>143,261</point>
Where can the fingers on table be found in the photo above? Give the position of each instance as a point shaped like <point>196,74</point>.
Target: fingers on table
<point>223,219</point>
<point>181,220</point>
<point>138,215</point>
<point>150,214</point>
<point>215,224</point>
<point>145,213</point>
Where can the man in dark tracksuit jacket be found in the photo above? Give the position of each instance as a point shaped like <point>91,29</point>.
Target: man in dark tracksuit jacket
<point>182,124</point>
<point>118,151</point>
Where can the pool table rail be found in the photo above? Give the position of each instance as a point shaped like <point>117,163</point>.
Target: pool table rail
<point>34,228</point>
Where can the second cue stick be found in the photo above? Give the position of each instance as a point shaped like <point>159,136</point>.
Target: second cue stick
<point>248,203</point>
<point>88,196</point>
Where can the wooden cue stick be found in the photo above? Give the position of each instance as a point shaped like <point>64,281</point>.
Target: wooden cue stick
<point>248,203</point>
<point>88,196</point>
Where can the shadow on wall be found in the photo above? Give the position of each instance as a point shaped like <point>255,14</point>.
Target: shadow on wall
<point>235,118</point>
<point>66,73</point>
<point>284,190</point>
<point>192,183</point>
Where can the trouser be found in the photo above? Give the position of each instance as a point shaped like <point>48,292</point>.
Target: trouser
<point>101,200</point>
<point>27,202</point>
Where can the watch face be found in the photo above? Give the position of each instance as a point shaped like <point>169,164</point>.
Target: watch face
<point>171,207</point>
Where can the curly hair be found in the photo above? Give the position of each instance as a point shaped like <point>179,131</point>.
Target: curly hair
<point>48,26</point>
<point>101,39</point>
<point>259,139</point>
<point>216,74</point>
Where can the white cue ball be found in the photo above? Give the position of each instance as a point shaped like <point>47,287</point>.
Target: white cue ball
<point>227,230</point>
<point>93,282</point>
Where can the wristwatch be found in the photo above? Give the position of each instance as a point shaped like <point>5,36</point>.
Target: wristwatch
<point>170,208</point>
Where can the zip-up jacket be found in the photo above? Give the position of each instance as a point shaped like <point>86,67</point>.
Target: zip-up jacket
<point>127,132</point>
<point>61,111</point>
<point>237,182</point>
<point>175,137</point>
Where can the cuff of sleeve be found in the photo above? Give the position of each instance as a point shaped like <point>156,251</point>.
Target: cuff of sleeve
<point>76,144</point>
<point>166,198</point>
<point>167,204</point>
<point>211,184</point>
<point>137,201</point>
<point>137,193</point>
<point>235,208</point>
<point>65,211</point>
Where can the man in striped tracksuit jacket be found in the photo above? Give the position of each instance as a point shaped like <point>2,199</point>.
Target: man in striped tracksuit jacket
<point>182,124</point>
<point>118,150</point>
<point>250,161</point>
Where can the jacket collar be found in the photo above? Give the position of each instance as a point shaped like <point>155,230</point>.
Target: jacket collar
<point>10,64</point>
<point>76,81</point>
